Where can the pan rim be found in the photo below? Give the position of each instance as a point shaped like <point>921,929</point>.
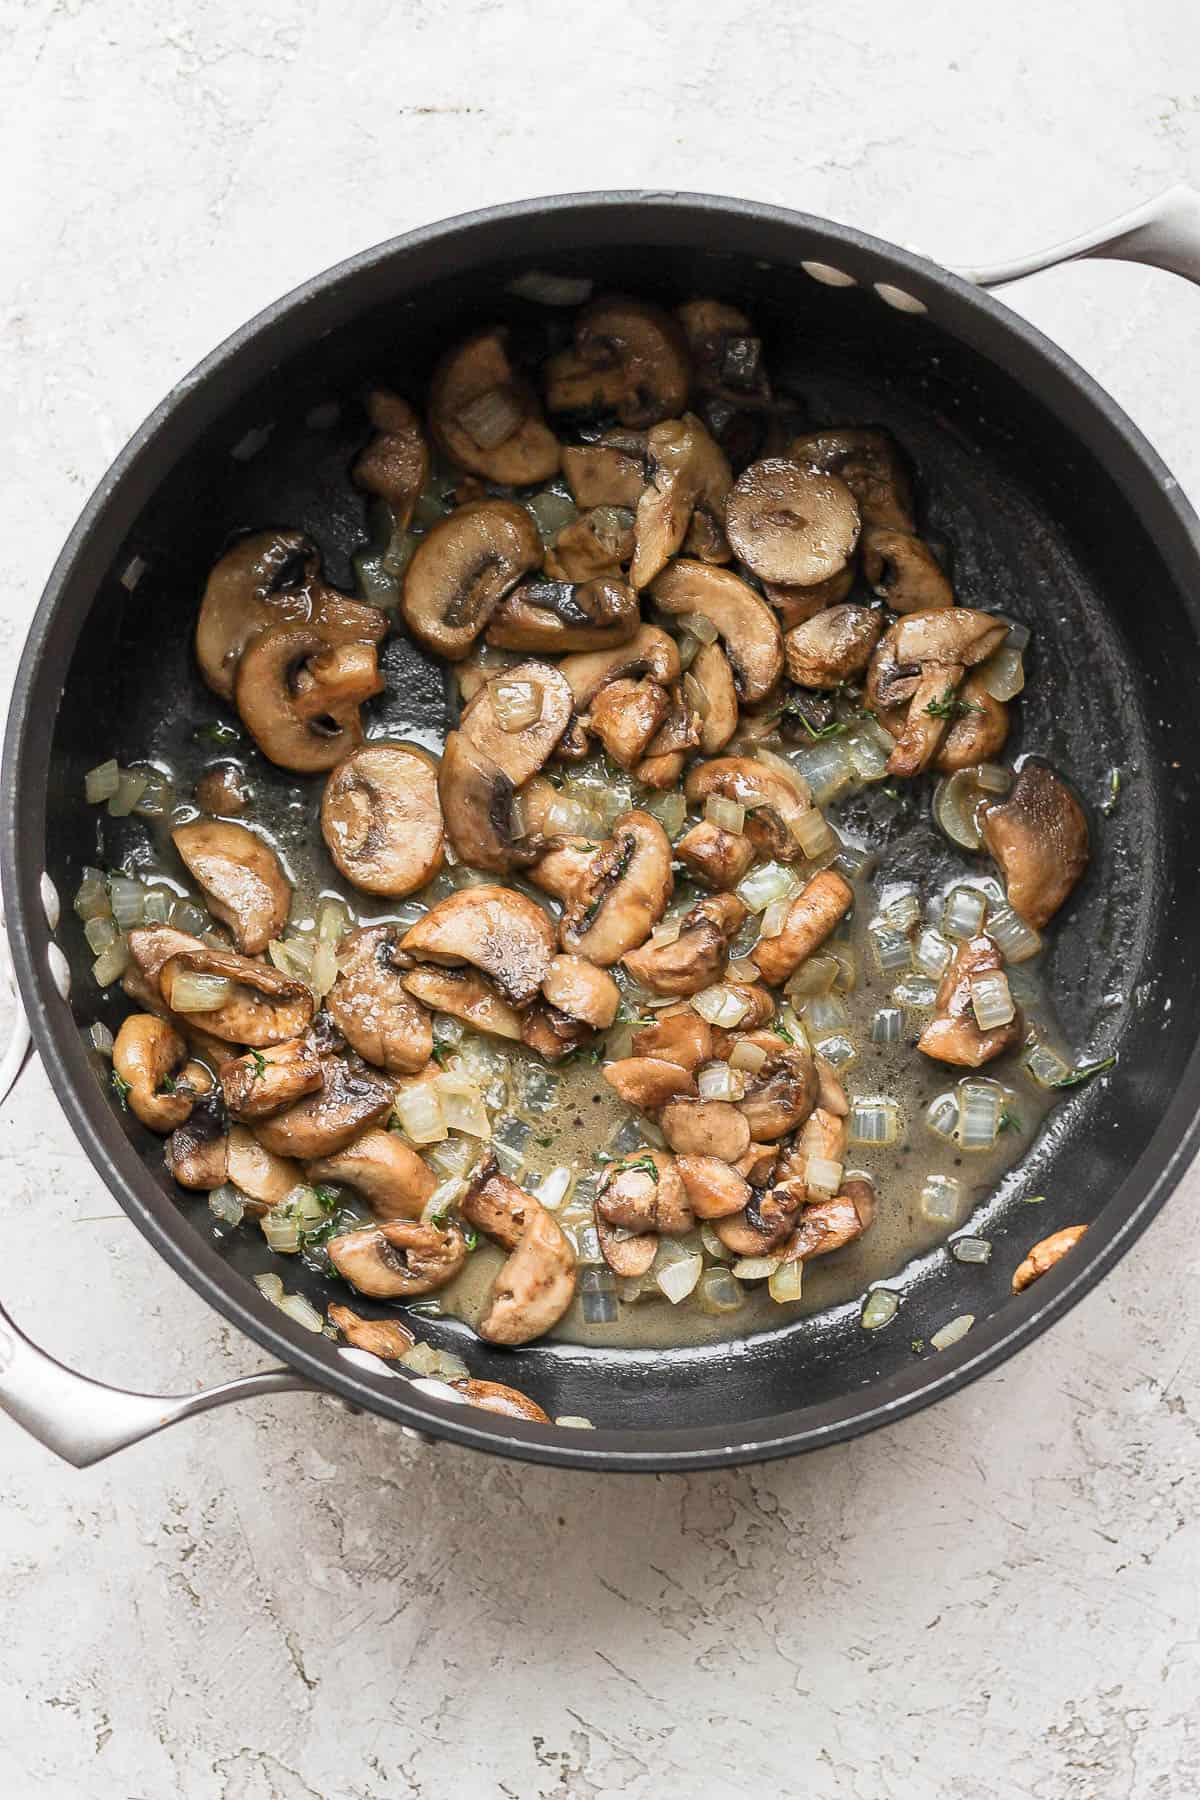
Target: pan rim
<point>28,737</point>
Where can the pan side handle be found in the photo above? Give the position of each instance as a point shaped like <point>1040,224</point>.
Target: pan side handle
<point>1164,232</point>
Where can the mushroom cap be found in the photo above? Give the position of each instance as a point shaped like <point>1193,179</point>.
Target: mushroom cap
<point>495,929</point>
<point>716,856</point>
<point>791,524</point>
<point>479,367</point>
<point>348,1100</point>
<point>625,715</point>
<point>705,1127</point>
<point>242,878</point>
<point>464,994</point>
<point>265,1007</point>
<point>399,1260</point>
<point>688,470</point>
<point>381,818</point>
<point>627,1256</point>
<point>834,646</point>
<point>561,616</point>
<point>714,1190</point>
<point>298,690</point>
<point>629,357</point>
<point>462,569</point>
<point>902,569</point>
<point>270,578</point>
<point>371,1007</point>
<point>716,697</point>
<point>769,797</point>
<point>147,1052</point>
<point>267,1080</point>
<point>697,958</point>
<point>582,991</point>
<point>604,474</point>
<point>196,1153</point>
<point>979,735</point>
<point>494,1396</point>
<point>622,894</point>
<point>947,635</point>
<point>381,1167</point>
<point>953,1034</point>
<point>537,1282</point>
<point>812,915</point>
<point>635,1200</point>
<point>1039,836</point>
<point>782,1092</point>
<point>395,463</point>
<point>748,628</point>
<point>648,1082</point>
<point>650,651</point>
<point>477,803</point>
<point>870,463</point>
<point>519,754</point>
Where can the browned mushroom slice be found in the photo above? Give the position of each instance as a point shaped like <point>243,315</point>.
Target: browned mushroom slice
<point>494,1396</point>
<point>381,1337</point>
<point>726,351</point>
<point>622,894</point>
<point>953,1034</point>
<point>517,717</point>
<point>822,1135</point>
<point>348,1100</point>
<point>477,802</point>
<point>380,1166</point>
<point>1045,1254</point>
<point>628,1254</point>
<point>1039,836</point>
<point>714,1190</point>
<point>559,616</point>
<point>791,524</point>
<point>794,605</point>
<point>828,1225</point>
<point>947,636</point>
<point>781,1092</point>
<point>582,991</point>
<point>561,870</point>
<point>625,716</point>
<point>147,1055</point>
<point>269,579</point>
<point>605,473</point>
<point>400,1260</point>
<point>262,1179</point>
<point>252,1003</point>
<point>710,686</point>
<point>766,1221</point>
<point>980,732</point>
<point>934,703</point>
<point>395,464</point>
<point>714,855</point>
<point>870,464</point>
<point>242,878</point>
<point>834,647</point>
<point>902,569</point>
<point>494,929</point>
<point>706,1128</point>
<point>644,1192</point>
<point>197,1151</point>
<point>629,358</point>
<point>748,628</point>
<point>370,1005</point>
<point>299,694</point>
<point>697,956</point>
<point>552,1034</point>
<point>537,1282</point>
<point>770,798</point>
<point>462,569</point>
<point>687,472</point>
<point>265,1081</point>
<point>679,1036</point>
<point>597,545</point>
<point>486,418</point>
<point>648,1082</point>
<point>650,651</point>
<point>813,914</point>
<point>381,818</point>
<point>465,994</point>
<point>223,790</point>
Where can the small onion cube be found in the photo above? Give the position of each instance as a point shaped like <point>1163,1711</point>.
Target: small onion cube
<point>768,882</point>
<point>1003,674</point>
<point>128,901</point>
<point>301,1312</point>
<point>678,1279</point>
<point>200,993</point>
<point>855,864</point>
<point>790,771</point>
<point>964,913</point>
<point>825,1012</point>
<point>720,1292</point>
<point>554,1190</point>
<point>867,758</point>
<point>812,831</point>
<point>670,810</point>
<point>91,900</point>
<point>269,1286</point>
<point>786,1283</point>
<point>187,916</point>
<point>281,1230</point>
<point>887,1026</point>
<point>516,704</point>
<point>942,1200</point>
<point>544,289</point>
<point>689,648</point>
<point>971,1250</point>
<point>879,1309</point>
<point>100,933</point>
<point>729,815</point>
<point>700,626</point>
<point>774,919</point>
<point>991,1001</point>
<point>822,1177</point>
<point>756,1268</point>
<point>892,948</point>
<point>747,1057</point>
<point>815,976</point>
<point>445,1195</point>
<point>324,971</point>
<point>101,783</point>
<point>667,932</point>
<point>1018,634</point>
<point>718,1081</point>
<point>951,1333</point>
<point>461,1104</point>
<point>419,1111</point>
<point>101,1038</point>
<point>552,513</point>
<point>1046,1066</point>
<point>720,1006</point>
<point>873,1121</point>
<point>587,1247</point>
<point>492,417</point>
<point>993,778</point>
<point>111,964</point>
<point>333,921</point>
<point>712,1244</point>
<point>598,1308</point>
<point>917,991</point>
<point>980,1106</point>
<point>827,769</point>
<point>742,968</point>
<point>838,1051</point>
<point>225,1203</point>
<point>452,1157</point>
<point>1011,935</point>
<point>156,909</point>
<point>941,1115</point>
<point>903,912</point>
<point>932,953</point>
<point>131,785</point>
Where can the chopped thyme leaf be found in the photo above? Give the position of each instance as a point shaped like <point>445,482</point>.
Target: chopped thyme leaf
<point>1032,1199</point>
<point>120,1088</point>
<point>1085,1073</point>
<point>917,1345</point>
<point>327,1198</point>
<point>470,1237</point>
<point>1010,1121</point>
<point>167,1085</point>
<point>646,1164</point>
<point>260,1064</point>
<point>545,1142</point>
<point>441,1052</point>
<point>950,706</point>
<point>1109,805</point>
<point>781,1030</point>
<point>217,732</point>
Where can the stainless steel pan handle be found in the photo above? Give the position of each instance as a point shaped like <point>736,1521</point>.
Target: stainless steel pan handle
<point>1164,232</point>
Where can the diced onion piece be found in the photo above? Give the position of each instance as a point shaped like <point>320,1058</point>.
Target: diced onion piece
<point>916,991</point>
<point>333,921</point>
<point>873,1121</point>
<point>812,831</point>
<point>491,417</point>
<point>1046,1066</point>
<point>438,1365</point>
<point>887,1026</point>
<point>131,785</point>
<point>555,1189</point>
<point>445,1195</point>
<point>941,1115</point>
<point>100,933</point>
<point>226,1204</point>
<point>376,582</point>
<point>815,976</point>
<point>305,1204</point>
<point>855,863</point>
<point>768,882</point>
<point>942,1200</point>
<point>730,815</point>
<point>786,1283</point>
<point>825,1012</point>
<point>868,759</point>
<point>128,901</point>
<point>689,648</point>
<point>932,953</point>
<point>452,1157</point>
<point>597,1304</point>
<point>156,908</point>
<point>951,1333</point>
<point>742,968</point>
<point>756,1268</point>
<point>822,1177</point>
<point>790,771</point>
<point>462,1105</point>
<point>269,1285</point>
<point>187,916</point>
<point>447,1030</point>
<point>993,778</point>
<point>1011,935</point>
<point>419,1111</point>
<point>678,1279</point>
<point>551,514</point>
<point>200,993</point>
<point>980,1106</point>
<point>712,1244</point>
<point>155,797</point>
<point>892,948</point>
<point>1003,674</point>
<point>101,1038</point>
<point>700,626</point>
<point>281,1230</point>
<point>838,1051</point>
<point>720,1292</point>
<point>774,919</point>
<point>747,1056</point>
<point>827,769</point>
<point>971,1250</point>
<point>670,809</point>
<point>991,1000</point>
<point>666,933</point>
<point>1018,634</point>
<point>570,818</point>
<point>301,1312</point>
<point>101,783</point>
<point>516,704</point>
<point>720,1006</point>
<point>111,963</point>
<point>795,1027</point>
<point>91,900</point>
<point>720,1081</point>
<point>902,912</point>
<point>955,801</point>
<point>292,956</point>
<point>964,913</point>
<point>879,1309</point>
<point>574,1422</point>
<point>324,970</point>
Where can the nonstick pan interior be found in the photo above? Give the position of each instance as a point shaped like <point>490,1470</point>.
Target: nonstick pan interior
<point>1036,527</point>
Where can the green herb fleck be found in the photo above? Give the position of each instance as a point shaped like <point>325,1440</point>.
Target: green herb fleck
<point>217,732</point>
<point>917,1345</point>
<point>1010,1121</point>
<point>1109,805</point>
<point>470,1237</point>
<point>1032,1199</point>
<point>441,1054</point>
<point>646,1164</point>
<point>793,714</point>
<point>545,1142</point>
<point>260,1065</point>
<point>313,1236</point>
<point>167,1085</point>
<point>120,1088</point>
<point>1085,1073</point>
<point>950,706</point>
<point>781,1030</point>
<point>327,1198</point>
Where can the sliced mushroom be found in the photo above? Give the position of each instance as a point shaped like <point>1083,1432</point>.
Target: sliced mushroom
<point>697,957</point>
<point>298,690</point>
<point>598,545</point>
<point>715,855</point>
<point>648,1082</point>
<point>649,651</point>
<point>399,1261</point>
<point>265,1081</point>
<point>830,1224</point>
<point>269,579</point>
<point>222,790</point>
<point>262,1179</point>
<point>813,914</point>
<point>705,1128</point>
<point>833,647</point>
<point>478,804</point>
<point>782,1092</point>
<point>627,1254</point>
<point>561,870</point>
<point>726,352</point>
<point>262,1007</point>
<point>371,1006</point>
<point>678,734</point>
<point>395,464</point>
<point>578,988</point>
<point>953,1034</point>
<point>749,629</point>
<point>380,1337</point>
<point>711,687</point>
<point>553,1034</point>
<point>1039,836</point>
<point>687,472</point>
<point>902,569</point>
<point>537,1282</point>
<point>242,878</point>
<point>494,929</point>
<point>759,1164</point>
<point>465,994</point>
<point>831,1095</point>
<point>645,1193</point>
<point>622,894</point>
<point>766,1221</point>
<point>759,1003</point>
<point>789,523</point>
<point>770,799</point>
<point>494,1396</point>
<point>681,1037</point>
<point>1045,1254</point>
<point>462,569</point>
<point>533,688</point>
<point>604,473</point>
<point>980,732</point>
<point>629,358</point>
<point>625,715</point>
<point>794,605</point>
<point>558,616</point>
<point>947,636</point>
<point>146,1056</point>
<point>381,818</point>
<point>197,1151</point>
<point>348,1100</point>
<point>714,1190</point>
<point>870,464</point>
<point>381,1167</point>
<point>933,705</point>
<point>486,418</point>
<point>822,1135</point>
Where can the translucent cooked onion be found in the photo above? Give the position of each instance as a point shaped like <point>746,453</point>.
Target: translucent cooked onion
<point>566,817</point>
<point>742,968</point>
<point>887,1026</point>
<point>874,1120</point>
<point>991,1000</point>
<point>301,1312</point>
<point>769,881</point>
<point>1046,1066</point>
<point>517,704</point>
<point>815,976</point>
<point>555,1190</point>
<point>226,1204</point>
<point>721,1081</point>
<point>838,1051</point>
<point>748,1057</point>
<point>1003,674</point>
<point>822,1177</point>
<point>101,1038</point>
<point>917,991</point>
<point>689,648</point>
<point>879,1309</point>
<point>670,809</point>
<point>491,417</point>
<point>111,964</point>
<point>932,953</point>
<point>825,1013</point>
<point>552,513</point>
<point>101,783</point>
<point>790,772</point>
<point>941,1116</point>
<point>964,913</point>
<point>786,1283</point>
<point>901,911</point>
<point>131,785</point>
<point>812,831</point>
<point>598,1296</point>
<point>445,1195</point>
<point>100,933</point>
<point>774,919</point>
<point>419,1111</point>
<point>827,769</point>
<point>292,956</point>
<point>666,933</point>
<point>893,950</point>
<point>333,920</point>
<point>156,908</point>
<point>756,1268</point>
<point>128,901</point>
<point>461,1104</point>
<point>91,899</point>
<point>678,1279</point>
<point>720,1292</point>
<point>956,801</point>
<point>377,584</point>
<point>868,760</point>
<point>980,1106</point>
<point>971,1250</point>
<point>951,1333</point>
<point>200,993</point>
<point>730,815</point>
<point>856,864</point>
<point>700,626</point>
<point>693,692</point>
<point>719,1006</point>
<point>942,1200</point>
<point>324,970</point>
<point>269,1286</point>
<point>993,778</point>
<point>156,796</point>
<point>712,1244</point>
<point>435,1365</point>
<point>281,1230</point>
<point>1011,935</point>
<point>454,1155</point>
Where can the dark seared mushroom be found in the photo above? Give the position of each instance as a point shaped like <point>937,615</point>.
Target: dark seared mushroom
<point>794,605</point>
<point>688,473</point>
<point>596,546</point>
<point>496,1397</point>
<point>947,636</point>
<point>222,790</point>
<point>770,799</point>
<point>537,1282</point>
<point>268,579</point>
<point>921,661</point>
<point>748,628</point>
<point>902,569</point>
<point>462,569</point>
<point>348,1100</point>
<point>622,894</point>
<point>265,1081</point>
<point>816,911</point>
<point>669,748</point>
<point>953,1034</point>
<point>833,647</point>
<point>715,856</point>
<point>379,1337</point>
<point>197,1151</point>
<point>517,717</point>
<point>393,1180</point>
<point>980,732</point>
<point>381,818</point>
<point>1039,836</point>
<point>477,804</point>
<point>676,1035</point>
<point>625,715</point>
<point>650,652</point>
<point>400,1260</point>
<point>370,1005</point>
<point>262,1179</point>
<point>395,464</point>
<point>552,1034</point>
<point>782,1092</point>
<point>147,1055</point>
<point>260,1006</point>
<point>697,957</point>
<point>606,473</point>
<point>494,929</point>
<point>559,616</point>
<point>827,1225</point>
<point>629,358</point>
<point>242,878</point>
<point>648,1082</point>
<point>766,1221</point>
<point>464,994</point>
<point>643,1193</point>
<point>298,690</point>
<point>726,351</point>
<point>870,464</point>
<point>790,523</point>
<point>486,418</point>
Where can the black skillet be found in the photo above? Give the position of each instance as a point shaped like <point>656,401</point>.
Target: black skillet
<point>1058,513</point>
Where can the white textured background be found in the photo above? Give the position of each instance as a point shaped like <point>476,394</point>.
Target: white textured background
<point>994,1601</point>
